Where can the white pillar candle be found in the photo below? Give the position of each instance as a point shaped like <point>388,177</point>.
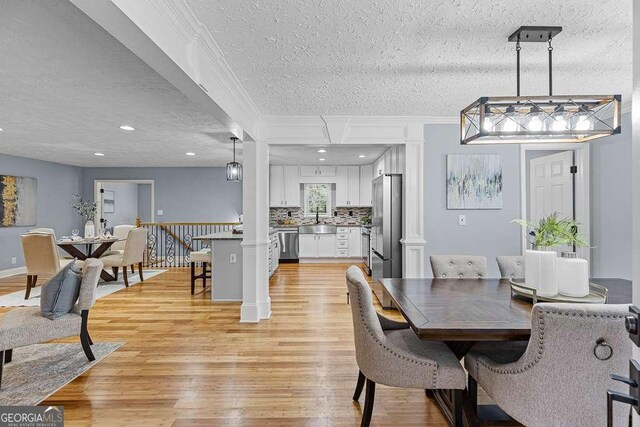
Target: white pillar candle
<point>573,275</point>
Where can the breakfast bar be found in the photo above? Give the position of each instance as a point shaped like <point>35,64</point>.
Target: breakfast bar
<point>226,265</point>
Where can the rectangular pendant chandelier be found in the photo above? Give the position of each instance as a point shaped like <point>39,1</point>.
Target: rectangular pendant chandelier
<point>518,119</point>
<point>538,119</point>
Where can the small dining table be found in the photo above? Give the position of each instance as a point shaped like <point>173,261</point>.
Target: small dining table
<point>72,247</point>
<point>461,312</point>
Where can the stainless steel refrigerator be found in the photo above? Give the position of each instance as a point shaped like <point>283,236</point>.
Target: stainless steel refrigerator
<point>386,232</point>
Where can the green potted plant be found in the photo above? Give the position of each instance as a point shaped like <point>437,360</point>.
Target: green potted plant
<point>540,262</point>
<point>87,210</point>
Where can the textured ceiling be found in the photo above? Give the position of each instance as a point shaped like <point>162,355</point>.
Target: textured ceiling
<point>66,86</point>
<point>401,57</point>
<point>335,155</point>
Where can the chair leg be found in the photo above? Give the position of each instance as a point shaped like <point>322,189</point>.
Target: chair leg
<point>29,285</point>
<point>85,340</point>
<point>204,274</point>
<point>359,386</point>
<point>457,408</point>
<point>89,338</point>
<point>140,272</point>
<point>124,276</point>
<point>368,404</point>
<point>132,270</point>
<point>193,278</point>
<point>8,355</point>
<point>115,272</point>
<point>473,394</point>
<point>1,366</point>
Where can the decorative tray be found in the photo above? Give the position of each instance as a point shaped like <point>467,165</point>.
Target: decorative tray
<point>597,294</point>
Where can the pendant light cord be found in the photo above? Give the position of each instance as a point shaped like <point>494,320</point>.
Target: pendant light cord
<point>518,66</point>
<point>234,150</point>
<point>550,68</point>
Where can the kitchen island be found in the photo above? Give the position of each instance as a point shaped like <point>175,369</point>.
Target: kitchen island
<point>226,265</point>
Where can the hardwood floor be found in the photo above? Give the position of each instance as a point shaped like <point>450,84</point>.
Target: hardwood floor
<point>189,362</point>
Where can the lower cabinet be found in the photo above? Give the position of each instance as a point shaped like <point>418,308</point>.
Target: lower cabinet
<point>274,254</point>
<point>346,243</point>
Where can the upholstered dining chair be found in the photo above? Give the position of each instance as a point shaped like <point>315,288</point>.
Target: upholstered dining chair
<point>24,326</point>
<point>458,266</point>
<point>511,267</point>
<point>133,254</point>
<point>563,376</point>
<point>120,232</point>
<point>390,353</point>
<point>40,256</point>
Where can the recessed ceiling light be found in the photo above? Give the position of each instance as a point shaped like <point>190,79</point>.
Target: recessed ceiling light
<point>1,129</point>
<point>322,150</point>
<point>362,156</point>
<point>98,154</point>
<point>190,153</point>
<point>322,160</point>
<point>125,127</point>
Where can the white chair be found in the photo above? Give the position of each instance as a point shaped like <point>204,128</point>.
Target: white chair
<point>133,254</point>
<point>458,266</point>
<point>511,267</point>
<point>120,232</point>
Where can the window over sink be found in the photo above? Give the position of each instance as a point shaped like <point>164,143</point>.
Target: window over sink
<point>317,198</point>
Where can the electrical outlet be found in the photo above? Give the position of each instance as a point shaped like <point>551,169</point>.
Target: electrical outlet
<point>462,220</point>
<point>14,260</point>
<point>232,258</point>
<point>160,212</point>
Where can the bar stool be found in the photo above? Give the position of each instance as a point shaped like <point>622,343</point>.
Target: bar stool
<point>203,256</point>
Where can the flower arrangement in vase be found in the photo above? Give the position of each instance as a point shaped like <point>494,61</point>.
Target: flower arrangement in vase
<point>543,271</point>
<point>87,210</point>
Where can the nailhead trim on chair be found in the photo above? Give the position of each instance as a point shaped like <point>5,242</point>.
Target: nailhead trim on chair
<point>433,365</point>
<point>541,341</point>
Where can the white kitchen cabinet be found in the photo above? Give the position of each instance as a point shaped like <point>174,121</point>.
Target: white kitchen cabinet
<point>355,242</point>
<point>317,171</point>
<point>348,186</point>
<point>317,246</point>
<point>274,254</point>
<point>284,186</point>
<point>366,176</point>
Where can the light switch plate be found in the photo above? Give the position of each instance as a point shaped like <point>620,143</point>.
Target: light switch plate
<point>14,260</point>
<point>160,212</point>
<point>462,220</point>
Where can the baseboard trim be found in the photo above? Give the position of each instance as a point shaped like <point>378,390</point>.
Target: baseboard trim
<point>357,261</point>
<point>12,272</point>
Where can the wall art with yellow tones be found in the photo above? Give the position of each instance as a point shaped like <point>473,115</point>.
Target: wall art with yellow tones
<point>18,201</point>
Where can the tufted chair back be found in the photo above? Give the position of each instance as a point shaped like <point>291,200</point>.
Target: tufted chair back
<point>458,266</point>
<point>511,267</point>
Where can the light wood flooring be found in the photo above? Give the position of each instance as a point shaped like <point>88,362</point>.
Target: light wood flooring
<point>187,361</point>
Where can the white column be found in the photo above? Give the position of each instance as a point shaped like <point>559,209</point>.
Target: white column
<point>256,303</point>
<point>413,243</point>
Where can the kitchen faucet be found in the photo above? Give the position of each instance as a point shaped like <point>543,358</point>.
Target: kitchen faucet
<point>317,215</point>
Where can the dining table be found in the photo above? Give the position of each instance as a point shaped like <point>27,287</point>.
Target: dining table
<point>93,248</point>
<point>462,312</point>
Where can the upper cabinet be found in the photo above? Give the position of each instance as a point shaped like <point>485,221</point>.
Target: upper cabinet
<point>348,186</point>
<point>317,171</point>
<point>284,186</point>
<point>366,176</point>
<point>392,161</point>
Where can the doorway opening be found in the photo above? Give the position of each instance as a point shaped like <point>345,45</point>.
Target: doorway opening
<point>123,202</point>
<point>555,178</point>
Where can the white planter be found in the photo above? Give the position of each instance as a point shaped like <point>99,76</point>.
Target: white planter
<point>573,277</point>
<point>540,272</point>
<point>89,230</point>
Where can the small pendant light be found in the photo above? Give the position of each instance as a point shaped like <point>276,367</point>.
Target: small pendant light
<point>234,169</point>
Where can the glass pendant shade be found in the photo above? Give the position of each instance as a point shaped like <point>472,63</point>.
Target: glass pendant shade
<point>234,171</point>
<point>516,119</point>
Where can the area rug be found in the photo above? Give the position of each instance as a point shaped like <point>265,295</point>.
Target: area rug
<point>37,371</point>
<point>16,299</point>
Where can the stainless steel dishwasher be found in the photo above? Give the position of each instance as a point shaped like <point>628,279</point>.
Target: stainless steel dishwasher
<point>288,240</point>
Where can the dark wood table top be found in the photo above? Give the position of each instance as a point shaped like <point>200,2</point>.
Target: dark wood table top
<point>473,309</point>
<point>94,241</point>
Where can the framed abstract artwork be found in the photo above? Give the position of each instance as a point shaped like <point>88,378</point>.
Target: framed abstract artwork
<point>18,201</point>
<point>474,181</point>
<point>108,201</point>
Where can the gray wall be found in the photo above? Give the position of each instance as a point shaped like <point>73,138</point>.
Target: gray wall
<point>611,204</point>
<point>126,203</point>
<point>144,202</point>
<point>488,232</point>
<point>56,184</point>
<point>183,194</point>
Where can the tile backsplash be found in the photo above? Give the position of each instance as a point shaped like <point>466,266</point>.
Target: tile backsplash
<point>279,215</point>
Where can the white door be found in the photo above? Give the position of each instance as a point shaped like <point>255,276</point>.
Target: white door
<point>366,176</point>
<point>355,242</point>
<point>291,185</point>
<point>342,186</point>
<point>276,186</point>
<point>354,185</point>
<point>307,246</point>
<point>551,186</point>
<point>326,245</point>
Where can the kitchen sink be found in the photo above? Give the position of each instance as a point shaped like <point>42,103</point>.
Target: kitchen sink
<point>317,229</point>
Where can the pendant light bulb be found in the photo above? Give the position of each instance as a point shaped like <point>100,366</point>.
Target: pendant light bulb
<point>583,120</point>
<point>535,119</point>
<point>560,120</point>
<point>488,122</point>
<point>510,122</point>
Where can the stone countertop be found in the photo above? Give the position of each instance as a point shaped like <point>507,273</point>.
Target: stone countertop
<point>219,236</point>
